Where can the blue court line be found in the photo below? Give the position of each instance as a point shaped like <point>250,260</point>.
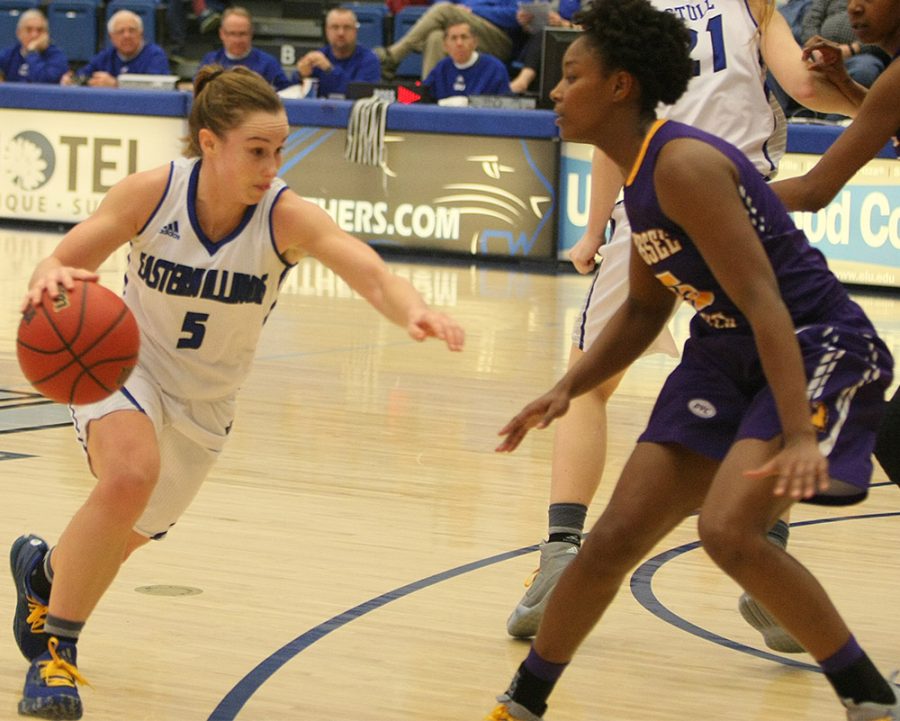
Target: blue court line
<point>234,701</point>
<point>642,591</point>
<point>230,706</point>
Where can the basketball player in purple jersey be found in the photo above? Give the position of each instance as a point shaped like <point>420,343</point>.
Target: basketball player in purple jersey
<point>734,45</point>
<point>781,384</point>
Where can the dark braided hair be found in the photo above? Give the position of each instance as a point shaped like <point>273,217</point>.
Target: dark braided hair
<point>652,45</point>
<point>223,98</point>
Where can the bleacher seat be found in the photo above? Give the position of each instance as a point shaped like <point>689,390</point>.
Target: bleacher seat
<point>411,65</point>
<point>371,17</point>
<point>10,10</point>
<point>73,28</point>
<point>146,9</point>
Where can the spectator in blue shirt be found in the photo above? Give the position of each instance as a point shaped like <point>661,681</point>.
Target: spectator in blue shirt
<point>493,20</point>
<point>342,60</point>
<point>129,53</point>
<point>33,59</point>
<point>236,34</point>
<point>465,71</point>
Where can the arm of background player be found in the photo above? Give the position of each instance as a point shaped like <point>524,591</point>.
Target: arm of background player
<point>606,184</point>
<point>784,58</point>
<point>876,123</point>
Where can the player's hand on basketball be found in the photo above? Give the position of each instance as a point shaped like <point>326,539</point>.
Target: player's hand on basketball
<point>800,469</point>
<point>537,414</point>
<point>51,279</point>
<point>584,254</point>
<point>431,324</point>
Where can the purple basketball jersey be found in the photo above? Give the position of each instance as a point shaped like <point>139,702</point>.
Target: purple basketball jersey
<point>719,394</point>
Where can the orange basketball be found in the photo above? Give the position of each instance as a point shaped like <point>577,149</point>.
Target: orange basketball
<point>79,347</point>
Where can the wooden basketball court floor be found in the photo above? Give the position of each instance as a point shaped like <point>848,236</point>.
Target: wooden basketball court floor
<point>355,553</point>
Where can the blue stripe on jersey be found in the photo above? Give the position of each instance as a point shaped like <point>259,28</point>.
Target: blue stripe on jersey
<point>161,198</point>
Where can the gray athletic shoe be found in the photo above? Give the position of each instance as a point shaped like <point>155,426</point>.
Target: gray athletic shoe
<point>523,622</point>
<point>773,634</point>
<point>869,711</point>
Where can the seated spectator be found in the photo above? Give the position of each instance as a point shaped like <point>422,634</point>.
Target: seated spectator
<point>127,54</point>
<point>494,21</point>
<point>342,60</point>
<point>466,71</point>
<point>33,59</point>
<point>828,19</point>
<point>530,55</point>
<point>236,34</point>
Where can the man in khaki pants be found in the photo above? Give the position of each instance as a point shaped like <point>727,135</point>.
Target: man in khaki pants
<point>492,21</point>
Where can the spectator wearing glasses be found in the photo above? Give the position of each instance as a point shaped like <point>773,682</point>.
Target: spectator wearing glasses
<point>129,53</point>
<point>342,60</point>
<point>236,34</point>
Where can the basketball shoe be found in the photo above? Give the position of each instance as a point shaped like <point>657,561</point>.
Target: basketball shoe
<point>509,710</point>
<point>773,634</point>
<point>869,711</point>
<point>523,622</point>
<point>50,690</point>
<point>31,610</point>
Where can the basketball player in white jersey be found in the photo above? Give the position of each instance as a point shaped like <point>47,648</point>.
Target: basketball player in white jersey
<point>211,237</point>
<point>735,42</point>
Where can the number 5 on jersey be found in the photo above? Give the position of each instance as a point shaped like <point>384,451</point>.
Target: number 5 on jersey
<point>194,330</point>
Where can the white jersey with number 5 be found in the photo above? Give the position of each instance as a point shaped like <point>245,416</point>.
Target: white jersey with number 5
<point>201,305</point>
<point>728,96</point>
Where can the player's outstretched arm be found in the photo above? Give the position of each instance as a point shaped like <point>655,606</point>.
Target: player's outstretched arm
<point>629,332</point>
<point>302,228</point>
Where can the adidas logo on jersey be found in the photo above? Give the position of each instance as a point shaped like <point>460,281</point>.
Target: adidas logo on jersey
<point>171,229</point>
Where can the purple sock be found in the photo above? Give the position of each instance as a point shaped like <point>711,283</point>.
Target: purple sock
<point>845,655</point>
<point>543,669</point>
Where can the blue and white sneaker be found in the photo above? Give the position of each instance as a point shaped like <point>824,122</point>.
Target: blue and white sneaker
<point>31,610</point>
<point>50,686</point>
